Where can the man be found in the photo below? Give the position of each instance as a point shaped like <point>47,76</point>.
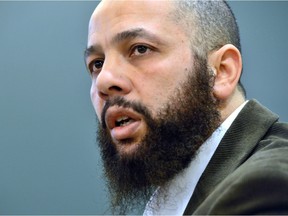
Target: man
<point>174,124</point>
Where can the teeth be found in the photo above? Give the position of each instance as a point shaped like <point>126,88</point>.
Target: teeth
<point>122,118</point>
<point>122,121</point>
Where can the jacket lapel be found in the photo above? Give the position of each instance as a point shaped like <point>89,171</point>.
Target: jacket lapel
<point>236,146</point>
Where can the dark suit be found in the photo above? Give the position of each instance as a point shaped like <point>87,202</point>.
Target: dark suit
<point>248,174</point>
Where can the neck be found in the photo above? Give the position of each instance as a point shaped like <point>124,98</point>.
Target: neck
<point>230,105</point>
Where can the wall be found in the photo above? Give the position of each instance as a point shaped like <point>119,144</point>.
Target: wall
<point>264,33</point>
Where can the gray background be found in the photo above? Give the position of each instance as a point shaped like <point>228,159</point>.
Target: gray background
<point>49,160</point>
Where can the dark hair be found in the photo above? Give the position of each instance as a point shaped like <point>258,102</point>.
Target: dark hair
<point>210,24</point>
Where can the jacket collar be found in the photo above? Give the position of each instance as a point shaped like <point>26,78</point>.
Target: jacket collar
<point>236,146</point>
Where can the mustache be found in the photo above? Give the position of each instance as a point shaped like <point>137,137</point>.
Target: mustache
<point>124,103</point>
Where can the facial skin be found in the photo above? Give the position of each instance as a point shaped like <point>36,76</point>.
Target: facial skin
<point>142,63</point>
<point>155,100</point>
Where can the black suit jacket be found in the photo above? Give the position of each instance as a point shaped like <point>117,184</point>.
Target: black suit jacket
<point>248,174</point>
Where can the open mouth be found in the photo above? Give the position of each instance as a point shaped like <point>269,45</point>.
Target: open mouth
<point>127,128</point>
<point>123,121</point>
<point>120,117</point>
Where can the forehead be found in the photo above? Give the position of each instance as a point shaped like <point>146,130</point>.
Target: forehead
<point>116,15</point>
<point>114,8</point>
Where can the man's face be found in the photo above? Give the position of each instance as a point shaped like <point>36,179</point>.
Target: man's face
<point>138,53</point>
<point>153,98</point>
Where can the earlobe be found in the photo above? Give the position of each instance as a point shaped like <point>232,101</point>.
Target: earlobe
<point>227,63</point>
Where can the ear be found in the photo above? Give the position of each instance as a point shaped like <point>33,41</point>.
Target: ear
<point>226,63</point>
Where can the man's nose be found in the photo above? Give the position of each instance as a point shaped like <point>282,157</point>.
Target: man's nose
<point>113,79</point>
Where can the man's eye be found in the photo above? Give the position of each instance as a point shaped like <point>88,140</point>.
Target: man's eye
<point>140,50</point>
<point>96,66</point>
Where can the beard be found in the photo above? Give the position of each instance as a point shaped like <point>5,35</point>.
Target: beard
<point>171,141</point>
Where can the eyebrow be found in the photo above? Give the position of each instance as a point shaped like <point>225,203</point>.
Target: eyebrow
<point>91,49</point>
<point>131,34</point>
<point>123,36</point>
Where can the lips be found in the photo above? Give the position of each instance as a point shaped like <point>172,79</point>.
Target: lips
<point>123,123</point>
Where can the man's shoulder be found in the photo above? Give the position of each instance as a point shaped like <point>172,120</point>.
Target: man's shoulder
<point>270,157</point>
<point>259,183</point>
<point>273,146</point>
<point>258,186</point>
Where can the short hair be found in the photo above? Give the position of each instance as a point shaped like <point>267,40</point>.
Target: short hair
<point>210,24</point>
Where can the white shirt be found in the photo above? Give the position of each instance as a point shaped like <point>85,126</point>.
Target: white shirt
<point>180,189</point>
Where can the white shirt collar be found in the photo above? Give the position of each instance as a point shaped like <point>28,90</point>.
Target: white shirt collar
<point>180,189</point>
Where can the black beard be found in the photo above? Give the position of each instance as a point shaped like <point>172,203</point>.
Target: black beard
<point>170,144</point>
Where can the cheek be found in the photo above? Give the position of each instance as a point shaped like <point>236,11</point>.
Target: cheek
<point>156,95</point>
<point>158,88</point>
<point>97,102</point>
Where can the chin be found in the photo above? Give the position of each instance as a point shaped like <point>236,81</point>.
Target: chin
<point>128,149</point>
